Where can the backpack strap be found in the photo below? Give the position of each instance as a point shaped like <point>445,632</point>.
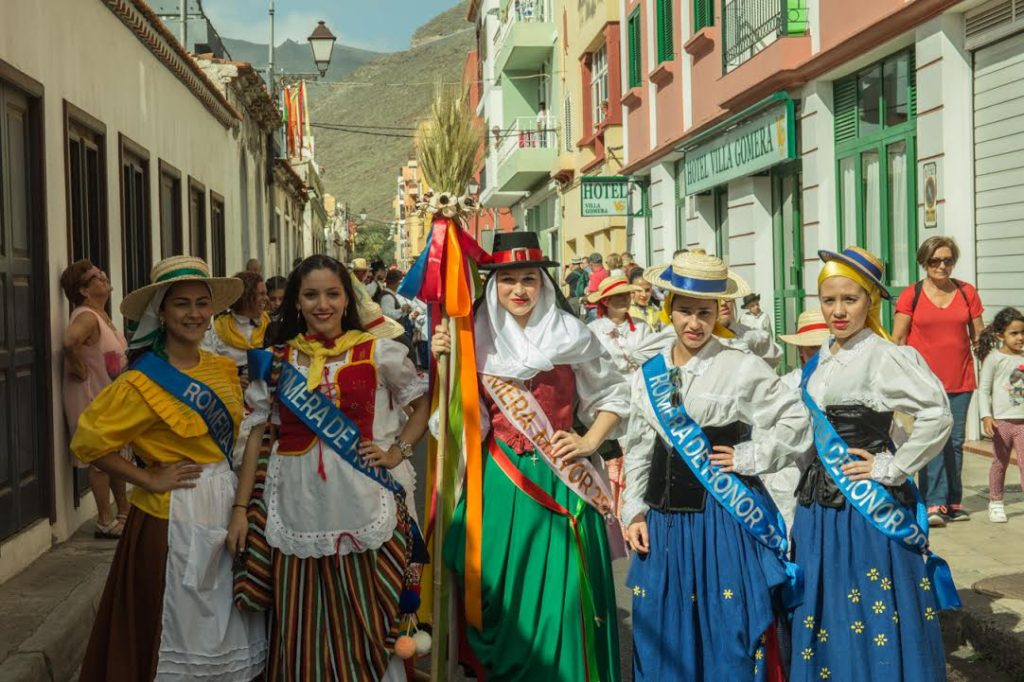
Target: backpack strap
<point>917,295</point>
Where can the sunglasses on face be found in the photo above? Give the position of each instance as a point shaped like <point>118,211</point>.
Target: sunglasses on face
<point>936,262</point>
<point>99,275</point>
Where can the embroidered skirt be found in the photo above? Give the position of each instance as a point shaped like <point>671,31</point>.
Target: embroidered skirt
<point>703,604</point>
<point>532,627</point>
<point>869,611</point>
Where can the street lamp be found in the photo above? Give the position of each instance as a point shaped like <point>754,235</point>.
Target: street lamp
<point>362,215</point>
<point>473,187</point>
<point>321,42</point>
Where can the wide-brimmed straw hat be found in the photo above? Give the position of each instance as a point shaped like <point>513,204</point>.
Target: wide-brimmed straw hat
<point>360,264</point>
<point>377,323</point>
<point>864,262</point>
<point>698,275</point>
<point>223,290</point>
<point>611,286</point>
<point>811,330</point>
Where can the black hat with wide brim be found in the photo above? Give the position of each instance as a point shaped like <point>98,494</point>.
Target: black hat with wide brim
<point>517,250</point>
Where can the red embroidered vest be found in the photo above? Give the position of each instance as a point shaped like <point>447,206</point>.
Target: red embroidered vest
<point>555,390</point>
<point>353,388</point>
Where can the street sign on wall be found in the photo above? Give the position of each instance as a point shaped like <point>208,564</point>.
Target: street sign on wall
<point>754,145</point>
<point>604,196</point>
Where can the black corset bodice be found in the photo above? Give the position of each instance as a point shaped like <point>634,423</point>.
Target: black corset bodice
<point>672,487</point>
<point>861,427</point>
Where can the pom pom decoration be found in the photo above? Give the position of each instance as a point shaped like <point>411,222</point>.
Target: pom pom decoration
<point>408,601</point>
<point>423,642</point>
<point>405,647</point>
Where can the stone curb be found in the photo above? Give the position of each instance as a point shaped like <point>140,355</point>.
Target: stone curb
<point>992,627</point>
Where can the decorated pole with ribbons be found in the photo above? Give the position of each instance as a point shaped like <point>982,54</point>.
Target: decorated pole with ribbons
<point>444,276</point>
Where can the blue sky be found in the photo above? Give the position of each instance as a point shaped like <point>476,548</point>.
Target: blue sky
<point>381,25</point>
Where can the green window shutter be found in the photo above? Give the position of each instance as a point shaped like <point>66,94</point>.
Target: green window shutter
<point>703,14</point>
<point>666,50</point>
<point>912,77</point>
<point>844,107</point>
<point>633,29</point>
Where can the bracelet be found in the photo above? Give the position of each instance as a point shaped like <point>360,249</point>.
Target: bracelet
<point>239,506</point>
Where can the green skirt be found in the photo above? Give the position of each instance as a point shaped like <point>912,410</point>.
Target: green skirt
<point>532,603</point>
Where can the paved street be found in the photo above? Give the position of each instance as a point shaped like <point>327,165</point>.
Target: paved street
<point>48,608</point>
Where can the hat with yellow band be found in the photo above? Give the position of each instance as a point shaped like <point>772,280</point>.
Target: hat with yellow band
<point>223,290</point>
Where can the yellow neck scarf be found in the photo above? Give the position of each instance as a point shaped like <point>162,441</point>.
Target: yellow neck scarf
<point>318,353</point>
<point>228,332</point>
<point>835,268</point>
<point>720,330</point>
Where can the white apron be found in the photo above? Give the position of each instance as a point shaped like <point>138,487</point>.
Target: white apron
<point>203,635</point>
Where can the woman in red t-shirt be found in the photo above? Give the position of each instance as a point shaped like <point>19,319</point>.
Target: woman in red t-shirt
<point>941,318</point>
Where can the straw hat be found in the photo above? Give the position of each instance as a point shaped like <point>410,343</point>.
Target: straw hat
<point>811,330</point>
<point>224,290</point>
<point>864,262</point>
<point>698,275</point>
<point>611,286</point>
<point>360,264</point>
<point>377,323</point>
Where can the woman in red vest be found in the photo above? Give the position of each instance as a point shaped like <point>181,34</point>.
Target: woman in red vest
<point>337,527</point>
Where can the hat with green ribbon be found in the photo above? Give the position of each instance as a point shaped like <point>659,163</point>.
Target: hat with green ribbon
<point>223,290</point>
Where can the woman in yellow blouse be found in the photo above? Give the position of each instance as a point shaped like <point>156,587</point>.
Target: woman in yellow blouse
<point>167,608</point>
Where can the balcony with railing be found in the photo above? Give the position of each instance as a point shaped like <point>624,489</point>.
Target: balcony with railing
<point>750,26</point>
<point>525,38</point>
<point>526,150</point>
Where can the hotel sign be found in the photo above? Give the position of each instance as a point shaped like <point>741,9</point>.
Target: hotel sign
<point>755,144</point>
<point>603,196</point>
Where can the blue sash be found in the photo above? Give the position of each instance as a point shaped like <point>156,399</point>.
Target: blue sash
<point>321,416</point>
<point>196,395</point>
<point>764,523</point>
<point>874,502</point>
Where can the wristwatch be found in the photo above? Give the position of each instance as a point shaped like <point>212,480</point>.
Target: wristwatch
<point>403,447</point>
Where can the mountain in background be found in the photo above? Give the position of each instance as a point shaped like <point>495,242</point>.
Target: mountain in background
<point>392,92</point>
<point>293,57</point>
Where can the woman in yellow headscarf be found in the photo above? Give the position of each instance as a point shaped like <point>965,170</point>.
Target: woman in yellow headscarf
<point>870,606</point>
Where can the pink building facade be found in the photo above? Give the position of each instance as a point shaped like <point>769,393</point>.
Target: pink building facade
<point>765,130</point>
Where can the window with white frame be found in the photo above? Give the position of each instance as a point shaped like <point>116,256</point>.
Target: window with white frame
<point>599,83</point>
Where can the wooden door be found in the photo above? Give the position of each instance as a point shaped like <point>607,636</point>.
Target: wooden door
<point>24,390</point>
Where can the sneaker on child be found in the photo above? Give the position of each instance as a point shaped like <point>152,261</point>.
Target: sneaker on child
<point>996,512</point>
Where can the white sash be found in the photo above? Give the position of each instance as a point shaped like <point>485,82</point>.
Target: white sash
<point>523,411</point>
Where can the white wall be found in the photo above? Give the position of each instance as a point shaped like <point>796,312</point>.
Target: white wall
<point>92,60</point>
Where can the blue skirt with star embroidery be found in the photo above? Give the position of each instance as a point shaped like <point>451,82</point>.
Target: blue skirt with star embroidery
<point>869,611</point>
<point>702,598</point>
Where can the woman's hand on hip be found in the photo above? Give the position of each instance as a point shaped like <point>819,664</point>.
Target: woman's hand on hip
<point>378,457</point>
<point>571,446</point>
<point>162,478</point>
<point>859,470</point>
<point>721,456</point>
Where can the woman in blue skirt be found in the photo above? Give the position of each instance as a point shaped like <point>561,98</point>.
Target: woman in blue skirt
<point>869,610</point>
<point>710,544</point>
